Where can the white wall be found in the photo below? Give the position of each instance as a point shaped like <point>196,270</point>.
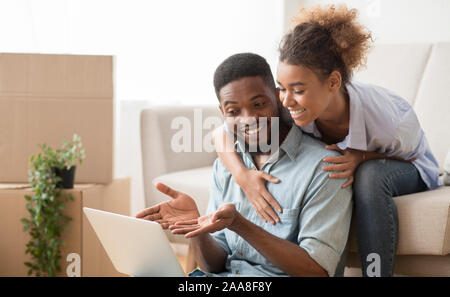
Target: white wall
<point>128,155</point>
<point>166,51</point>
<point>396,21</point>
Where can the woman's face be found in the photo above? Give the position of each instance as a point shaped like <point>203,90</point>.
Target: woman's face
<point>302,93</point>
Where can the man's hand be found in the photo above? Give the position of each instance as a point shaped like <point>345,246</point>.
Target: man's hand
<point>224,217</point>
<point>180,208</point>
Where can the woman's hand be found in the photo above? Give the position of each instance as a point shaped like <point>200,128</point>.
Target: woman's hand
<point>347,163</point>
<point>252,182</point>
<point>223,218</point>
<point>350,160</point>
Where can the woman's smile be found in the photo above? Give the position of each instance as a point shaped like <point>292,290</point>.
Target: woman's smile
<point>297,113</point>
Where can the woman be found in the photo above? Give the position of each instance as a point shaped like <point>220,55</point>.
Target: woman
<point>384,150</point>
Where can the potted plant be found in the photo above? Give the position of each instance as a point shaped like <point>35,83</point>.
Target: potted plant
<point>47,222</point>
<point>63,160</point>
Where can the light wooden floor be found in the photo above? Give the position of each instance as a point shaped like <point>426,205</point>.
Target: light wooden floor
<point>182,260</point>
<point>181,253</point>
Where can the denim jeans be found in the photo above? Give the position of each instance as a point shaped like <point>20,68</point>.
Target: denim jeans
<point>376,183</point>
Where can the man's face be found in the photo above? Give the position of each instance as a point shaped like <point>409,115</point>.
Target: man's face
<point>244,103</point>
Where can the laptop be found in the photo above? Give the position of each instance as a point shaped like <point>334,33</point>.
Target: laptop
<point>135,246</point>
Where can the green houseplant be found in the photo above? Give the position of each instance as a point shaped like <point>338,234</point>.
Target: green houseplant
<point>47,221</point>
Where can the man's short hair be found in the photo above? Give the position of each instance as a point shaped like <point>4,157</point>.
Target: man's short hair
<point>242,65</point>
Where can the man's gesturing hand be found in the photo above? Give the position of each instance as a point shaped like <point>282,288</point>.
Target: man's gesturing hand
<point>180,208</point>
<point>223,218</point>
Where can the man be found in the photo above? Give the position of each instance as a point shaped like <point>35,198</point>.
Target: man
<point>232,239</point>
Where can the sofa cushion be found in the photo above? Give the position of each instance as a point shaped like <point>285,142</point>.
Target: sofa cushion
<point>424,223</point>
<point>410,265</point>
<point>194,182</point>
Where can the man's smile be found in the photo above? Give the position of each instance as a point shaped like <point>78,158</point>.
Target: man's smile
<point>253,129</point>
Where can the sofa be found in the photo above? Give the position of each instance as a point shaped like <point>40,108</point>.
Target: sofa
<point>420,73</point>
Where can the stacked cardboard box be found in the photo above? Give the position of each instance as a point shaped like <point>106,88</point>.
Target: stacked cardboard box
<point>81,238</point>
<point>45,98</point>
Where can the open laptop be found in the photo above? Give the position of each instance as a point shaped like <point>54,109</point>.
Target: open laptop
<point>136,247</point>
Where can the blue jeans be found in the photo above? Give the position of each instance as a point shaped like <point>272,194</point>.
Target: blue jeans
<point>376,183</point>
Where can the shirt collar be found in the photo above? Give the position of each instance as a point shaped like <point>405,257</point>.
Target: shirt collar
<point>356,137</point>
<point>291,144</point>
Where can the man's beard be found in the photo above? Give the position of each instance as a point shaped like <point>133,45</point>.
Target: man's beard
<point>260,143</point>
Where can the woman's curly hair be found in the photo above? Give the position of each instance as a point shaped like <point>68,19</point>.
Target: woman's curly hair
<point>325,39</point>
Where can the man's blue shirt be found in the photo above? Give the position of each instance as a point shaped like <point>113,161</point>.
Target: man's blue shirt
<point>316,210</point>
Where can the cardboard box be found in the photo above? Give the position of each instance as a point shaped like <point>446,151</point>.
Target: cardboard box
<point>82,240</point>
<point>45,98</point>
